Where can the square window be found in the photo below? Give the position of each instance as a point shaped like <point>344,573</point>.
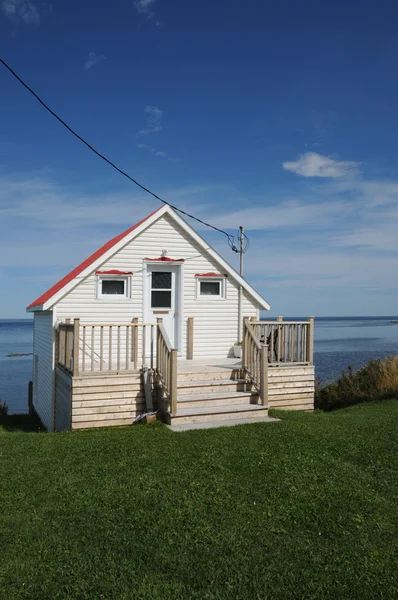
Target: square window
<point>211,288</point>
<point>113,288</point>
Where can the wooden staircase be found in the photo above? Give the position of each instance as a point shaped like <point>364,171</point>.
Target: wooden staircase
<point>215,398</point>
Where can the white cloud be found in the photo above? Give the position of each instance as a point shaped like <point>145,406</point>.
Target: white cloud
<point>152,149</point>
<point>144,7</point>
<point>23,10</point>
<point>289,213</point>
<point>93,59</point>
<point>153,122</point>
<point>334,247</point>
<point>312,164</point>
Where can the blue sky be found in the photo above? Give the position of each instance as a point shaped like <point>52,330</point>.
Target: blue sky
<point>280,117</point>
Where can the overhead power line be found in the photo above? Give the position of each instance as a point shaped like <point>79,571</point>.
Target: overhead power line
<point>231,238</point>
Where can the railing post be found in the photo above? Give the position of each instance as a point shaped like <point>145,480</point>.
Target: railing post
<point>244,340</point>
<point>61,344</point>
<point>76,334</point>
<point>173,381</point>
<point>310,341</point>
<point>159,321</point>
<point>68,349</point>
<point>264,375</point>
<point>190,338</point>
<point>135,342</point>
<point>279,340</point>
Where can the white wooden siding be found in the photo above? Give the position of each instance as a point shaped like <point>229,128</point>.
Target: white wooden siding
<point>216,322</point>
<point>43,348</point>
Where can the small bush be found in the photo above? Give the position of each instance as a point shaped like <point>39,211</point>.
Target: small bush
<point>375,381</point>
<point>3,409</point>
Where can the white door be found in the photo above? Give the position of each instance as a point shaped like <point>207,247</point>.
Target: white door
<point>162,298</point>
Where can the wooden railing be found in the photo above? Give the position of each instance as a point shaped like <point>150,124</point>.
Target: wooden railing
<point>102,347</point>
<point>255,361</point>
<point>166,367</point>
<point>65,345</point>
<point>289,342</point>
<point>119,348</point>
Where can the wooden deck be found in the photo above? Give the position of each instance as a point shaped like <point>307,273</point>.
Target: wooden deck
<point>199,365</point>
<point>277,374</point>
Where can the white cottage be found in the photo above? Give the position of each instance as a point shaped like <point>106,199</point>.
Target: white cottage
<point>149,321</point>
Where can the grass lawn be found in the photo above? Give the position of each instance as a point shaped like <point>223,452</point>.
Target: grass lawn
<point>299,509</point>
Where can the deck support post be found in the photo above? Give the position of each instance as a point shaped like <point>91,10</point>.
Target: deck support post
<point>310,341</point>
<point>190,338</point>
<point>135,342</point>
<point>264,375</point>
<point>244,342</point>
<point>159,321</point>
<point>68,349</point>
<point>76,334</point>
<point>61,345</point>
<point>173,381</point>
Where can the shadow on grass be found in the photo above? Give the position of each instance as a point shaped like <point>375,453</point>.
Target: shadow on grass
<point>24,422</point>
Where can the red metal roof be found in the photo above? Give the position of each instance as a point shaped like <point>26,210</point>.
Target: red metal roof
<point>86,263</point>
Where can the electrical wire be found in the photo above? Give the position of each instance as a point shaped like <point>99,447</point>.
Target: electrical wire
<point>81,139</point>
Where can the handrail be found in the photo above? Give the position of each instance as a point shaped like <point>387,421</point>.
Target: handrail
<point>166,367</point>
<point>255,361</point>
<point>260,322</point>
<point>114,324</point>
<point>165,337</point>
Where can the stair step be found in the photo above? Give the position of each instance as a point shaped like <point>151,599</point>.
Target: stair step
<point>220,398</point>
<point>212,386</point>
<point>215,424</point>
<point>229,399</point>
<point>205,382</point>
<point>217,413</point>
<point>230,374</point>
<point>214,396</point>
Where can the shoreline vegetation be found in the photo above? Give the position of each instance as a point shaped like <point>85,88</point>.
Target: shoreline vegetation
<point>377,380</point>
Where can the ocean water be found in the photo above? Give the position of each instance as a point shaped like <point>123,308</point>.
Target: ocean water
<point>339,342</point>
<point>15,373</point>
<point>354,341</point>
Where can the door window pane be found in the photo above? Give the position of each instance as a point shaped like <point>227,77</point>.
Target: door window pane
<point>113,287</point>
<point>209,288</point>
<point>161,299</point>
<point>161,280</point>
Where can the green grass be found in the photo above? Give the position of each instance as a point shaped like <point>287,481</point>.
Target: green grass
<point>299,509</point>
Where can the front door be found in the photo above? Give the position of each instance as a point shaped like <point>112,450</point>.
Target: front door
<point>162,298</point>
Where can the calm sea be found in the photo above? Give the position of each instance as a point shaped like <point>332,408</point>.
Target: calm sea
<point>338,343</point>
